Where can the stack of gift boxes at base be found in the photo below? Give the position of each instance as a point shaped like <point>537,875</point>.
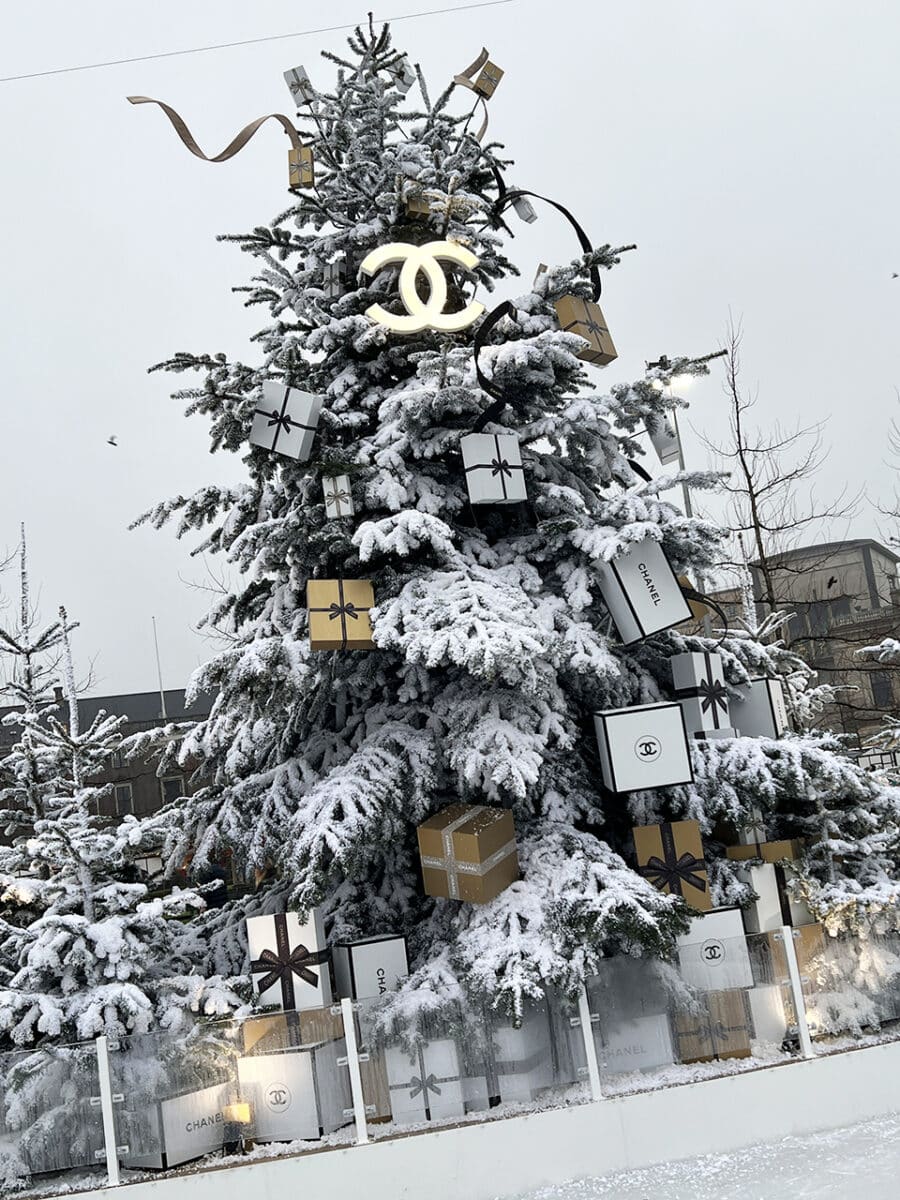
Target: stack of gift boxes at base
<point>647,746</point>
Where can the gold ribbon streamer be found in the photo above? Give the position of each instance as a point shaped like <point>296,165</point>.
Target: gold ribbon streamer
<point>465,79</point>
<point>237,143</point>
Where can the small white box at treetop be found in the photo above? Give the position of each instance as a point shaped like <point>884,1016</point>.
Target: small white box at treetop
<point>713,954</point>
<point>285,421</point>
<point>644,746</point>
<point>368,968</point>
<point>759,709</point>
<point>641,591</point>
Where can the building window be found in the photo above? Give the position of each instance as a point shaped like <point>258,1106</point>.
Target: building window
<point>123,799</point>
<point>117,760</point>
<point>882,692</point>
<point>172,788</point>
<point>151,866</point>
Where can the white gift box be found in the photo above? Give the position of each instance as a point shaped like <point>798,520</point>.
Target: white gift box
<point>299,85</point>
<point>664,437</point>
<point>524,209</point>
<point>759,709</point>
<point>713,954</point>
<point>338,497</point>
<point>287,420</point>
<point>427,1085</point>
<point>296,1094</point>
<point>768,1011</point>
<point>289,963</point>
<point>370,967</point>
<point>638,1044</point>
<point>180,1129</point>
<point>700,690</point>
<point>403,74</point>
<point>641,592</point>
<point>523,1058</point>
<point>774,906</point>
<point>644,746</point>
<point>334,275</point>
<point>493,466</point>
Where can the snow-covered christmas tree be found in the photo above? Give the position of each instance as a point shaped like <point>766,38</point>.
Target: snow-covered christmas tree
<point>492,645</point>
<point>84,950</point>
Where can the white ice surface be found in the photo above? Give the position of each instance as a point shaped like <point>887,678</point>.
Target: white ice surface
<point>859,1161</point>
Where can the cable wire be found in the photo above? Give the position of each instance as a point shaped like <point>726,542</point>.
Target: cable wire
<point>276,37</point>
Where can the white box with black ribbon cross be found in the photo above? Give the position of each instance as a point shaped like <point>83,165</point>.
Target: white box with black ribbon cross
<point>774,906</point>
<point>427,1084</point>
<point>369,967</point>
<point>759,709</point>
<point>289,964</point>
<point>699,682</point>
<point>299,1093</point>
<point>286,421</point>
<point>644,746</point>
<point>493,467</point>
<point>299,85</point>
<point>641,591</point>
<point>713,954</point>
<point>338,497</point>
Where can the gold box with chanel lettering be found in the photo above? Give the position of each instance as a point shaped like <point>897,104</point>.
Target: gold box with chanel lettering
<point>468,852</point>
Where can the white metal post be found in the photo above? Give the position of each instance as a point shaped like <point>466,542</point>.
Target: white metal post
<point>353,1061</point>
<point>106,1109</point>
<point>586,1021</point>
<point>790,954</point>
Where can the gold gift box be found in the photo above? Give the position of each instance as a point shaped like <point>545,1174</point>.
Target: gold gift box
<point>488,78</point>
<point>468,852</point>
<point>723,1031</point>
<point>809,943</point>
<point>584,317</point>
<point>301,167</point>
<point>670,855</point>
<point>339,614</point>
<point>417,206</point>
<point>770,852</point>
<point>282,1031</point>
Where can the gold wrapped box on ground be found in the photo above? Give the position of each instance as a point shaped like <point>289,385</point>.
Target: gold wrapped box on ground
<point>301,167</point>
<point>339,614</point>
<point>770,852</point>
<point>670,855</point>
<point>284,1030</point>
<point>722,1031</point>
<point>468,852</point>
<point>584,317</point>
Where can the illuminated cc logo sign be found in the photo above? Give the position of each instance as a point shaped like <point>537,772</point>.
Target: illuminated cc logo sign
<point>423,314</point>
<point>648,748</point>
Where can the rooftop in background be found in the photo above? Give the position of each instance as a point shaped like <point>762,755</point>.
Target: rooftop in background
<point>139,707</point>
<point>821,549</point>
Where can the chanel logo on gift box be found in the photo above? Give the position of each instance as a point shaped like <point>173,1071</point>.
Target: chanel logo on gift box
<point>648,748</point>
<point>382,985</point>
<point>648,580</point>
<point>712,951</point>
<point>278,1097</point>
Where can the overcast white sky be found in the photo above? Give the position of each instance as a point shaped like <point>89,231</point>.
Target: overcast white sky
<point>748,148</point>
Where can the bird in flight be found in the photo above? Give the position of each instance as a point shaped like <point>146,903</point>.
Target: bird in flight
<point>111,440</point>
<point>831,582</point>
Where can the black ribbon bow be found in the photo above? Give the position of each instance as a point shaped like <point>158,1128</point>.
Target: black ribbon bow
<point>500,468</point>
<point>283,963</point>
<point>281,419</point>
<point>347,609</point>
<point>712,694</point>
<point>426,1085</point>
<point>674,872</point>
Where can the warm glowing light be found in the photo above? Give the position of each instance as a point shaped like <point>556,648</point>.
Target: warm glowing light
<point>237,1114</point>
<point>423,314</point>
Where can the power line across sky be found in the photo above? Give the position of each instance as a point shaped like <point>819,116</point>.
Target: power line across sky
<point>275,37</point>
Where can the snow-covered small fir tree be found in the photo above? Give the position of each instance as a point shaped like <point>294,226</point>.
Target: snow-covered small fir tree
<point>84,950</point>
<point>493,645</point>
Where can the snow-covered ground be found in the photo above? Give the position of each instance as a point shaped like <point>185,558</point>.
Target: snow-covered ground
<point>859,1161</point>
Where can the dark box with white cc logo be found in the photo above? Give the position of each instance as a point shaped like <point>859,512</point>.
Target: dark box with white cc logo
<point>644,746</point>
